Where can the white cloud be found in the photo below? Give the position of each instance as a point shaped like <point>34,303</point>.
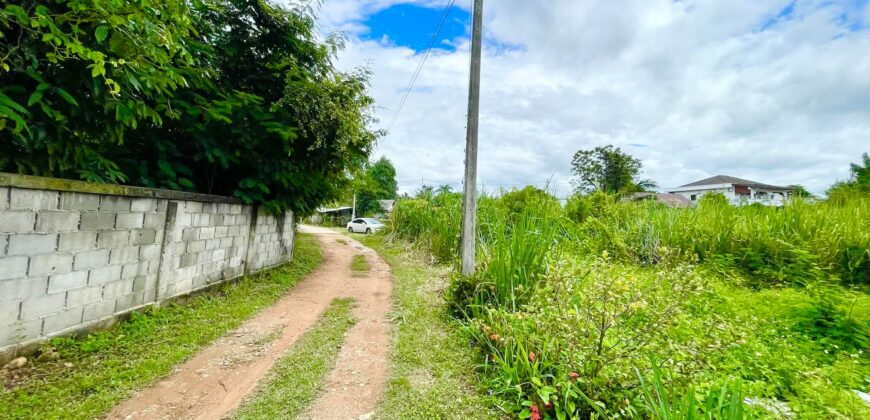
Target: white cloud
<point>698,83</point>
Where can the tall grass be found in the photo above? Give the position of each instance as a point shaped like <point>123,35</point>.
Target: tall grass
<point>787,244</point>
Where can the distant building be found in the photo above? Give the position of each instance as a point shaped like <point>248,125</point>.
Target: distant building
<point>387,205</point>
<point>668,199</point>
<point>332,216</point>
<point>738,191</point>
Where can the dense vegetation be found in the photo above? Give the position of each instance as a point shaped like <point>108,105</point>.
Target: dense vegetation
<point>635,309</point>
<point>233,97</point>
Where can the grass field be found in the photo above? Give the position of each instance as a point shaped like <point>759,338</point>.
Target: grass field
<point>634,309</point>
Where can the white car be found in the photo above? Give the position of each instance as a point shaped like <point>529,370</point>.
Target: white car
<point>364,225</point>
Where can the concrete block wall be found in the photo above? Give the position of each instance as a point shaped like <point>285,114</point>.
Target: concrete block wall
<point>74,254</point>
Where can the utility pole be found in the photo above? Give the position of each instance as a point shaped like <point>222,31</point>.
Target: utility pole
<point>353,212</point>
<point>469,199</point>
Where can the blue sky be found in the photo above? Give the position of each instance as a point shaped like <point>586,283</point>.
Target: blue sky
<point>774,91</point>
<point>412,26</point>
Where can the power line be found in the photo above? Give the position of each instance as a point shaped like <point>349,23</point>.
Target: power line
<point>422,62</point>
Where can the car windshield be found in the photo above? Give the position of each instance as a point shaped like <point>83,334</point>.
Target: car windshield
<point>373,221</point>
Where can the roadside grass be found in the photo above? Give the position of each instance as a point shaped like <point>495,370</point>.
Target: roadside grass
<point>295,381</point>
<point>94,373</point>
<point>359,266</point>
<point>432,372</point>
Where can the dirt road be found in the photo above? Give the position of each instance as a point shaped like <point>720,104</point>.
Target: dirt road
<point>214,382</point>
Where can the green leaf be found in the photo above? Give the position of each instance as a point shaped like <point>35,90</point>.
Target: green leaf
<point>101,33</point>
<point>166,168</point>
<point>66,96</point>
<point>34,98</point>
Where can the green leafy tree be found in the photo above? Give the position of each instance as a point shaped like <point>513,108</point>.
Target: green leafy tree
<point>230,97</point>
<point>607,169</point>
<point>798,190</point>
<point>79,76</point>
<point>376,182</point>
<point>858,184</point>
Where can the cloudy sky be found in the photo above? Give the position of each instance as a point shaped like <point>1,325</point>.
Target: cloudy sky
<point>775,91</point>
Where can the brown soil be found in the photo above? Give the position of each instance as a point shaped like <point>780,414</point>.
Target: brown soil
<point>214,382</point>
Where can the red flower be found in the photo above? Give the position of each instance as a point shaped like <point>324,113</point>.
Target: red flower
<point>574,376</point>
<point>532,356</point>
<point>536,415</point>
<point>548,405</point>
<point>494,337</point>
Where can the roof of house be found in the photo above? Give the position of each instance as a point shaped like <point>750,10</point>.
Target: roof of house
<point>725,179</point>
<point>672,200</point>
<point>335,210</point>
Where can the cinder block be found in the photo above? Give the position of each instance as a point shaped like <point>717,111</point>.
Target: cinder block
<point>217,220</point>
<point>4,239</point>
<point>130,301</point>
<point>17,221</point>
<point>9,312</point>
<point>13,267</point>
<point>22,288</point>
<point>212,244</point>
<point>85,296</point>
<point>196,246</point>
<point>129,220</point>
<point>77,241</point>
<point>210,208</point>
<point>203,219</point>
<point>68,281</point>
<point>154,221</point>
<point>98,310</point>
<point>79,201</point>
<point>115,203</point>
<point>40,306</point>
<point>46,265</point>
<point>162,205</point>
<point>206,233</point>
<point>234,231</point>
<point>22,199</point>
<point>113,239</point>
<point>20,332</point>
<point>221,231</point>
<point>32,244</point>
<point>97,221</point>
<point>226,242</point>
<point>57,221</point>
<point>90,259</point>
<point>4,198</point>
<point>149,252</point>
<point>133,269</point>
<point>188,260</point>
<point>144,205</point>
<point>190,234</point>
<point>143,236</point>
<point>103,275</point>
<point>124,255</point>
<point>62,321</point>
<point>192,207</point>
<point>117,289</point>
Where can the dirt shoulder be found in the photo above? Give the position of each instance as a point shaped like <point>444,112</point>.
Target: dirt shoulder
<point>215,382</point>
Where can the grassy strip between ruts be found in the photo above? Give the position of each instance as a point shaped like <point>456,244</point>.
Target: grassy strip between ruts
<point>299,376</point>
<point>96,372</point>
<point>431,373</point>
<point>359,266</point>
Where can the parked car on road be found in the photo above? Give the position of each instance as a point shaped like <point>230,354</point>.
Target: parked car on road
<point>364,225</point>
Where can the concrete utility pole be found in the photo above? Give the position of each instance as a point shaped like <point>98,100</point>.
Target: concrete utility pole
<point>469,199</point>
<point>353,212</point>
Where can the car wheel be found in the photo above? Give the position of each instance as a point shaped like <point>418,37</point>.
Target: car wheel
<point>350,230</point>
<point>368,231</point>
